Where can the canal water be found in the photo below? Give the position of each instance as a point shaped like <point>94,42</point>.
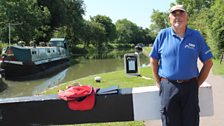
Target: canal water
<point>82,67</point>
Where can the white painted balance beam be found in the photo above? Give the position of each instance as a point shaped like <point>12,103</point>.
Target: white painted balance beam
<point>146,102</point>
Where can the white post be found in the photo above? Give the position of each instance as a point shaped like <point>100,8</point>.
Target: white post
<point>10,30</point>
<point>9,34</point>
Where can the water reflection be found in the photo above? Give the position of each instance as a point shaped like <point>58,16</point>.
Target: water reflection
<point>55,80</point>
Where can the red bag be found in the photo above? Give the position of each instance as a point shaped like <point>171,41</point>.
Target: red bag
<point>79,97</point>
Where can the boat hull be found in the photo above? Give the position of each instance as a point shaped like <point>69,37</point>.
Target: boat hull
<point>30,71</point>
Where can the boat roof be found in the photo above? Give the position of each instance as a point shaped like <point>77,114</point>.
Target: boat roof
<point>57,39</point>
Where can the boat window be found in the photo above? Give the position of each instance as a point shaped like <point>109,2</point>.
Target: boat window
<point>34,52</point>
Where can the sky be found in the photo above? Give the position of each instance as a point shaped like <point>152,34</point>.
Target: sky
<point>137,11</point>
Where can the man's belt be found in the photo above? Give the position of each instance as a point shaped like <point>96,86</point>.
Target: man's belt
<point>178,81</point>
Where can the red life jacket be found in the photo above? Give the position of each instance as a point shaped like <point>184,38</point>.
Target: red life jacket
<point>79,97</point>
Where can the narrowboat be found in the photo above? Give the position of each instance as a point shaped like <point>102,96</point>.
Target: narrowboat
<point>31,62</point>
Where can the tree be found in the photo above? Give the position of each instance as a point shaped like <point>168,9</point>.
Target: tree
<point>66,18</point>
<point>27,13</point>
<point>124,31</point>
<point>105,28</point>
<point>58,12</point>
<point>129,33</point>
<point>73,20</point>
<point>194,6</point>
<point>159,21</point>
<point>216,27</point>
<point>93,32</point>
<point>107,24</point>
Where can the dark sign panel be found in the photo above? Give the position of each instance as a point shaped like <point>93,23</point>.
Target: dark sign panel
<point>131,62</point>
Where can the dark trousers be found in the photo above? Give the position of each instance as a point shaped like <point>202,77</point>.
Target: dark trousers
<point>179,103</point>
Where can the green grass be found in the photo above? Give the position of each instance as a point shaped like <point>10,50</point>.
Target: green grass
<point>218,69</point>
<point>146,50</point>
<point>118,78</point>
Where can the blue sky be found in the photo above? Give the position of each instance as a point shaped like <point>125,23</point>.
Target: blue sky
<point>137,11</point>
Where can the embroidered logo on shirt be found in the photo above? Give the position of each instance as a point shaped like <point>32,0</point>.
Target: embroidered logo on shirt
<point>207,51</point>
<point>190,46</point>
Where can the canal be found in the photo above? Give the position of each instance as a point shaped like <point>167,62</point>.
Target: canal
<point>81,68</point>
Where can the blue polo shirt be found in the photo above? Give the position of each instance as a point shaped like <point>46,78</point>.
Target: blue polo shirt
<point>178,56</point>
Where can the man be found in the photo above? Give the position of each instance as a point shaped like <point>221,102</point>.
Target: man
<point>174,64</point>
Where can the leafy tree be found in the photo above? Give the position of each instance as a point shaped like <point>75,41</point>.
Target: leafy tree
<point>124,30</point>
<point>148,35</point>
<point>216,27</point>
<point>129,33</point>
<point>159,20</point>
<point>74,20</point>
<point>66,18</point>
<point>98,35</point>
<point>58,11</point>
<point>28,14</point>
<point>104,31</point>
<point>87,32</point>
<point>92,33</point>
<point>194,6</point>
<point>107,24</point>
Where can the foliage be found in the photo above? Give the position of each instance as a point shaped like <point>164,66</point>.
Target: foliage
<point>107,24</point>
<point>2,45</point>
<point>57,10</point>
<point>104,32</point>
<point>129,32</point>
<point>125,31</point>
<point>195,6</point>
<point>41,19</point>
<point>26,18</point>
<point>216,28</point>
<point>218,68</point>
<point>159,21</point>
<point>74,12</point>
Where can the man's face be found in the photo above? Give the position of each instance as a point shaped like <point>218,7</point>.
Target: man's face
<point>178,19</point>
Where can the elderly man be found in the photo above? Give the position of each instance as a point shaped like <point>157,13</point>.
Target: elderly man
<point>174,64</point>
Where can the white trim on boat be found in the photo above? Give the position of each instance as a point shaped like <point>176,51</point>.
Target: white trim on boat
<point>48,60</point>
<point>13,62</point>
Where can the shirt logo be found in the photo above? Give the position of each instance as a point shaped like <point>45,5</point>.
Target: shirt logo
<point>207,51</point>
<point>190,46</point>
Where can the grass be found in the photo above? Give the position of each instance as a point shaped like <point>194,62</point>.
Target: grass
<point>118,78</point>
<point>218,69</point>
